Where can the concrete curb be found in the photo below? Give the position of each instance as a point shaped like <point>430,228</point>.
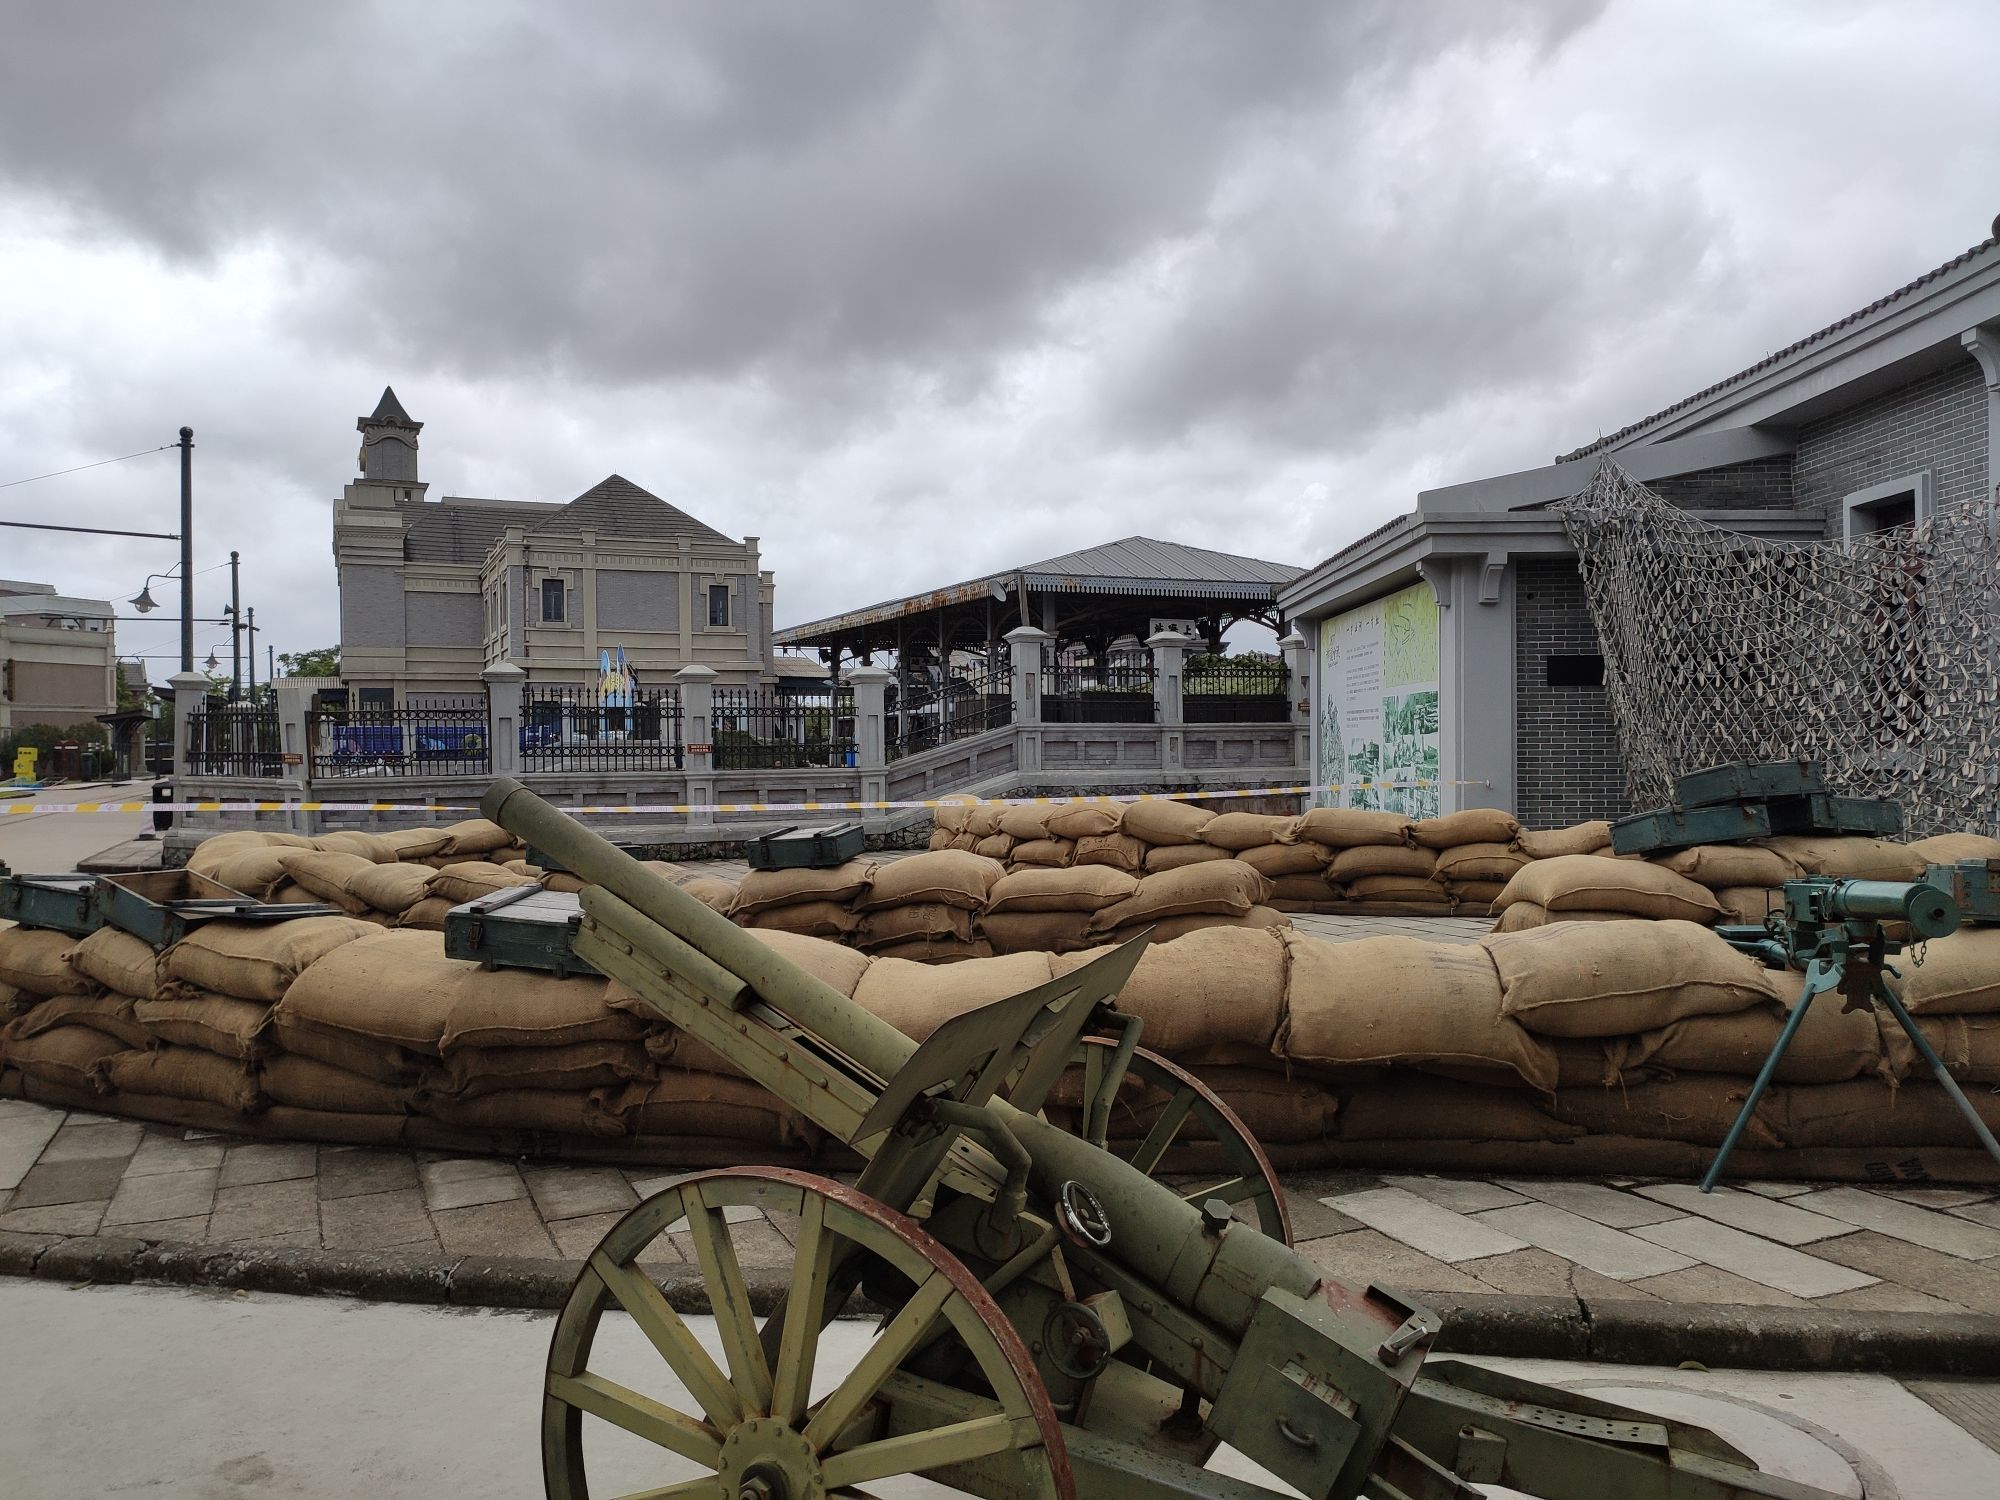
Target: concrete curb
<point>1653,1333</point>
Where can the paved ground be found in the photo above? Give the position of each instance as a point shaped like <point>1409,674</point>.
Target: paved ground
<point>400,1402</point>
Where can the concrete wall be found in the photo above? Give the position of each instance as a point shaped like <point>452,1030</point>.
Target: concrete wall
<point>1936,424</point>
<point>52,676</point>
<point>1567,765</point>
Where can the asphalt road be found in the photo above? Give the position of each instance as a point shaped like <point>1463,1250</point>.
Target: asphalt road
<point>47,843</point>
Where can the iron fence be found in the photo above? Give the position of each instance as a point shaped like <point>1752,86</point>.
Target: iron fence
<point>450,737</point>
<point>1234,690</point>
<point>970,701</point>
<point>755,729</point>
<point>1091,692</point>
<point>578,729</point>
<point>234,739</point>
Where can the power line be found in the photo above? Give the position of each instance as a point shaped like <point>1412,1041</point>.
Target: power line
<point>165,536</point>
<point>58,473</point>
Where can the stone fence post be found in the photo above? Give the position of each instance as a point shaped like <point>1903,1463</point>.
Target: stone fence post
<point>1027,643</point>
<point>871,732</point>
<point>190,691</point>
<point>506,688</point>
<point>1298,695</point>
<point>697,685</point>
<point>1170,650</point>
<point>295,700</point>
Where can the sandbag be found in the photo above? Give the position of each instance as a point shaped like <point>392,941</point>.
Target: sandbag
<point>1237,831</point>
<point>1352,828</point>
<point>1308,888</point>
<point>1412,1107</point>
<point>253,872</point>
<point>1872,1112</point>
<point>185,1073</point>
<point>289,893</point>
<point>847,883</point>
<point>1211,988</point>
<point>370,846</point>
<point>36,959</point>
<point>1167,929</point>
<point>1172,856</point>
<point>1364,860</point>
<point>1464,863</point>
<point>558,1111</point>
<point>1051,853</point>
<point>1276,1110</point>
<point>1159,820</point>
<point>927,919</point>
<point>1584,882</point>
<point>945,876</point>
<point>983,821</point>
<point>1275,861</point>
<point>1036,931</point>
<point>1950,848</point>
<point>1694,1107</point>
<point>258,960</point>
<point>935,950</point>
<point>385,1062</point>
<point>1075,822</point>
<point>1959,975</point>
<point>969,842</point>
<point>1402,888</point>
<point>710,1107</point>
<point>527,1008</point>
<point>713,892</point>
<point>65,1055</point>
<point>1578,838</point>
<point>551,880</point>
<point>392,888</point>
<point>415,843</point>
<point>1982,1048</point>
<point>1525,914</point>
<point>1622,978</point>
<point>1830,1046</point>
<point>118,961</point>
<point>220,1024</point>
<point>105,1011</point>
<point>832,964</point>
<point>940,839</point>
<point>1848,858</point>
<point>1086,888</point>
<point>1475,898</point>
<point>1027,822</point>
<point>998,846</point>
<point>820,919</point>
<point>1381,1001</point>
<point>468,840</point>
<point>949,816</point>
<point>14,1001</point>
<point>202,859</point>
<point>1719,865</point>
<point>393,988</point>
<point>1747,905</point>
<point>1223,888</point>
<point>468,880</point>
<point>1474,825</point>
<point>427,915</point>
<point>578,1066</point>
<point>325,872</point>
<point>917,999</point>
<point>1118,851</point>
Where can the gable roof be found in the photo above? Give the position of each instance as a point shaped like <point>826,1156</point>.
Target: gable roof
<point>389,409</point>
<point>618,507</point>
<point>1789,351</point>
<point>456,530</point>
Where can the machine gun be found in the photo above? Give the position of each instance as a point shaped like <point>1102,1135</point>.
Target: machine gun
<point>1838,933</point>
<point>1058,1322</point>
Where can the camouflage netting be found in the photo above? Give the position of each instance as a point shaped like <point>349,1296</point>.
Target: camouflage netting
<point>1878,659</point>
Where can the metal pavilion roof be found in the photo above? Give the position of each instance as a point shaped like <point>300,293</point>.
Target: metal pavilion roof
<point>1140,566</point>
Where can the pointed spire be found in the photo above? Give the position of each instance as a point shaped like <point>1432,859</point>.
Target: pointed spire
<point>389,409</point>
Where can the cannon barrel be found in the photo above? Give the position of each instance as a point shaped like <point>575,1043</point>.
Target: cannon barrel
<point>1930,912</point>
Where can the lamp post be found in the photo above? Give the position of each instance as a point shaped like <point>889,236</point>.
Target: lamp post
<point>187,549</point>
<point>251,626</point>
<point>235,613</point>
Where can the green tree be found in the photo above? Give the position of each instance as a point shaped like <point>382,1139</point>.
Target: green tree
<point>322,661</point>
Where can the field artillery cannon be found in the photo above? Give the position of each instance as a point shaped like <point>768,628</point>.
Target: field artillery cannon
<point>1057,1323</point>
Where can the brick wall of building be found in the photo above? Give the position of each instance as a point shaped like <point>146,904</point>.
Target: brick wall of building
<point>1567,766</point>
<point>1936,423</point>
<point>1759,484</point>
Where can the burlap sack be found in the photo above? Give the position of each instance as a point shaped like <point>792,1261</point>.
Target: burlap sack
<point>1276,1110</point>
<point>1052,854</point>
<point>1950,848</point>
<point>558,880</point>
<point>220,1024</point>
<point>1693,1107</point>
<point>385,1062</point>
<point>392,888</point>
<point>1352,828</point>
<point>928,919</point>
<point>1871,1112</point>
<point>983,821</point>
<point>917,999</point>
<point>527,1008</point>
<point>580,1066</point>
<point>1364,860</point>
<point>1464,863</point>
<point>966,841</point>
<point>1959,975</point>
<point>1237,831</point>
<point>254,872</point>
<point>427,915</point>
<point>36,959</point>
<point>946,877</point>
<point>1982,1048</point>
<point>258,960</point>
<point>1212,988</point>
<point>1583,882</point>
<point>1074,822</point>
<point>1117,851</point>
<point>14,1002</point>
<point>1036,931</point>
<point>1275,861</point>
<point>1027,822</point>
<point>1475,897</point>
<point>1585,1062</point>
<point>305,1083</point>
<point>1224,888</point>
<point>1173,856</point>
<point>713,892</point>
<point>218,846</point>
<point>935,950</point>
<point>847,884</point>
<point>831,964</point>
<point>1578,838</point>
<point>1848,858</point>
<point>1403,888</point>
<point>703,1106</point>
<point>1719,865</point>
<point>1747,905</point>
<point>325,872</point>
<point>472,838</point>
<point>118,961</point>
<point>1831,1045</point>
<point>396,988</point>
<point>940,839</point>
<point>468,880</point>
<point>1412,1107</point>
<point>415,843</point>
<point>522,868</point>
<point>820,919</point>
<point>1475,825</point>
<point>291,893</point>
<point>1085,888</point>
<point>1525,914</point>
<point>1622,978</point>
<point>1166,929</point>
<point>65,1055</point>
<point>1157,820</point>
<point>1394,1000</point>
<point>185,1073</point>
<point>1311,888</point>
<point>372,847</point>
<point>108,1012</point>
<point>950,815</point>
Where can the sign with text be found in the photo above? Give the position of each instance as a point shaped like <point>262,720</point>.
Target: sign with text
<point>1378,695</point>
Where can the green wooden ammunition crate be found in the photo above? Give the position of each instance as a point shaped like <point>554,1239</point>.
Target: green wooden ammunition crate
<point>1826,813</point>
<point>819,848</point>
<point>522,927</point>
<point>1678,827</point>
<point>60,902</point>
<point>163,906</point>
<point>1749,782</point>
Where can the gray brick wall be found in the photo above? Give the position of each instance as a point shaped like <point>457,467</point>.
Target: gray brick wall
<point>371,606</point>
<point>1936,423</point>
<point>1759,484</point>
<point>444,619</point>
<point>1567,766</point>
<point>633,599</point>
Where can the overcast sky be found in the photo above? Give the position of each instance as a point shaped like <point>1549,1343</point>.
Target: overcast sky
<point>915,291</point>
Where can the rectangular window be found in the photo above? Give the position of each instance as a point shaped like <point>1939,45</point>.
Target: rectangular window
<point>718,604</point>
<point>1883,507</point>
<point>378,700</point>
<point>1576,671</point>
<point>552,599</point>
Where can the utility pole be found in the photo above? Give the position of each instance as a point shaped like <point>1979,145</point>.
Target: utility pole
<point>236,632</point>
<point>270,663</point>
<point>252,628</point>
<point>187,549</point>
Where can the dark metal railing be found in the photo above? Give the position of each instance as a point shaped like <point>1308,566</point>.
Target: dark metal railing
<point>1234,690</point>
<point>970,701</point>
<point>1097,693</point>
<point>576,729</point>
<point>755,729</point>
<point>225,739</point>
<point>451,737</point>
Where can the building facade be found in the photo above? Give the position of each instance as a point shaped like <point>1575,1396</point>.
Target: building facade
<point>432,592</point>
<point>1879,420</point>
<point>58,657</point>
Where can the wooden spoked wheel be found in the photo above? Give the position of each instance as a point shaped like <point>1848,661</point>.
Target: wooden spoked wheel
<point>747,1424</point>
<point>1194,1113</point>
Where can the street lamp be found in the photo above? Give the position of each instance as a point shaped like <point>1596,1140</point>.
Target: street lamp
<point>143,601</point>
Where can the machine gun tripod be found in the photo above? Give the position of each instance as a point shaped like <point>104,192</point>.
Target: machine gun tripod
<point>1837,932</point>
